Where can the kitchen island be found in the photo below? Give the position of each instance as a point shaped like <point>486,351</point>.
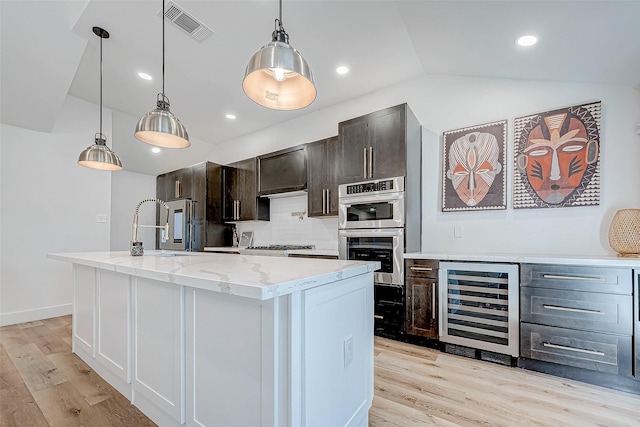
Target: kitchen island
<point>209,339</point>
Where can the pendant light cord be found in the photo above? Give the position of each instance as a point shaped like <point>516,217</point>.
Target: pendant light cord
<point>101,37</point>
<point>163,19</point>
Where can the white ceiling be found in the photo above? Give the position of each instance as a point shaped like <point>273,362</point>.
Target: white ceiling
<point>48,50</point>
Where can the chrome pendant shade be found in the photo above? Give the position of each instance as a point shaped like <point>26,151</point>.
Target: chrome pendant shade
<point>98,155</point>
<point>277,76</point>
<point>160,127</point>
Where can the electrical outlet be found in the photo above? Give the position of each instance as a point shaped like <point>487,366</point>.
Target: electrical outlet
<point>101,218</point>
<point>348,350</point>
<point>457,231</point>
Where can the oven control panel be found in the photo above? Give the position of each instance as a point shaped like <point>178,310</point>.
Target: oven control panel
<point>367,187</point>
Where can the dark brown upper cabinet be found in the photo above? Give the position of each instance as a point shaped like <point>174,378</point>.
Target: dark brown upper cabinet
<point>240,201</point>
<point>282,171</point>
<point>201,183</point>
<point>377,145</point>
<point>321,177</point>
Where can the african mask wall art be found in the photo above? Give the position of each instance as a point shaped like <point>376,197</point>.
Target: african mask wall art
<point>473,168</point>
<point>557,158</point>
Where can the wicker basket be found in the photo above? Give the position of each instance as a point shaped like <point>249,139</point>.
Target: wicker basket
<point>624,233</point>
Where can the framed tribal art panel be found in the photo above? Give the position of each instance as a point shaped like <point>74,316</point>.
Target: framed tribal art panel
<point>557,158</point>
<point>473,176</point>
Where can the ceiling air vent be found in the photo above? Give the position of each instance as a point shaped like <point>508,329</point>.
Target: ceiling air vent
<point>186,22</point>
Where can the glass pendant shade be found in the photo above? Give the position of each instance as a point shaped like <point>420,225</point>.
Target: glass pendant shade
<point>99,156</point>
<point>161,128</point>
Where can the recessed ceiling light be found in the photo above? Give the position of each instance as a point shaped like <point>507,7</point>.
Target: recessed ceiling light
<point>342,69</point>
<point>145,76</point>
<point>156,150</point>
<point>526,41</point>
<point>231,116</point>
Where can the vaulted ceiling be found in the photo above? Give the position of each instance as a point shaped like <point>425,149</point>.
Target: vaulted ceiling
<point>49,51</point>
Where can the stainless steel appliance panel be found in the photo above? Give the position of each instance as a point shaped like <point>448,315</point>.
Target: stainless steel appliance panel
<point>383,245</point>
<point>180,233</point>
<point>372,204</point>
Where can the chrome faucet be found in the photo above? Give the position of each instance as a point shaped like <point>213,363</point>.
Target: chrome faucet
<point>137,248</point>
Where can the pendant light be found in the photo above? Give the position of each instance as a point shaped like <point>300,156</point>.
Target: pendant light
<point>160,127</point>
<point>98,155</point>
<point>277,76</point>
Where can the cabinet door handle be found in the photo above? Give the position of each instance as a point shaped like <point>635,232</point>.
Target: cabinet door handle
<point>239,211</point>
<point>370,162</point>
<point>324,201</point>
<point>593,279</point>
<point>433,301</point>
<point>575,310</point>
<point>578,350</point>
<point>364,162</point>
<point>328,202</point>
<point>177,190</point>
<point>421,268</point>
<point>376,316</point>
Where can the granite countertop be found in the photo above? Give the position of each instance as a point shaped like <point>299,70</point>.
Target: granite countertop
<point>591,260</point>
<point>251,276</point>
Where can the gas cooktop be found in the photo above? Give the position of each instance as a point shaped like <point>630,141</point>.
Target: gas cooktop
<point>273,250</point>
<point>281,247</point>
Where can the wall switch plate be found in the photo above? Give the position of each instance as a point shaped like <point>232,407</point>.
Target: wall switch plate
<point>101,218</point>
<point>457,231</point>
<point>348,350</point>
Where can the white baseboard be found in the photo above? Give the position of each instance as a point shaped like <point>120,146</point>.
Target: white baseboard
<point>35,314</point>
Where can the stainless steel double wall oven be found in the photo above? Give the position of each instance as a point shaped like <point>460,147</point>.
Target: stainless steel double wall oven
<point>375,225</point>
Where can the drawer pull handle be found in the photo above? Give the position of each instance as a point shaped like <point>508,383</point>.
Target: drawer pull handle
<point>375,316</point>
<point>421,268</point>
<point>433,301</point>
<point>579,350</point>
<point>575,310</point>
<point>592,279</point>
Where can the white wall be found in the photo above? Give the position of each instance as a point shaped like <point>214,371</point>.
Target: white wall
<point>127,190</point>
<point>444,103</point>
<point>49,204</point>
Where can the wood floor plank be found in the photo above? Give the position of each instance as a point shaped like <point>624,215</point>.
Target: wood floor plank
<point>36,370</point>
<point>47,342</point>
<point>13,336</point>
<point>17,406</point>
<point>57,322</point>
<point>89,384</point>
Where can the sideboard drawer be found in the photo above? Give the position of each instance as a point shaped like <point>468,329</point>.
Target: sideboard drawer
<point>587,350</point>
<point>577,310</point>
<point>582,278</point>
<point>421,268</point>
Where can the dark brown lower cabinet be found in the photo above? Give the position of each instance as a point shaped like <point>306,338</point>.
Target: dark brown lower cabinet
<point>421,298</point>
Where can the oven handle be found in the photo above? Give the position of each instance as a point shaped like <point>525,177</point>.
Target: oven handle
<point>371,198</point>
<point>373,232</point>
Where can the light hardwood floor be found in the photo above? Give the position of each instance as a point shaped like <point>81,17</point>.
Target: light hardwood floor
<point>43,384</point>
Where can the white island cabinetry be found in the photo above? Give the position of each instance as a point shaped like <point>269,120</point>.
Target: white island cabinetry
<point>208,339</point>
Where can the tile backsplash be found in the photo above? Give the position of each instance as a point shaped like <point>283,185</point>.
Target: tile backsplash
<point>290,224</point>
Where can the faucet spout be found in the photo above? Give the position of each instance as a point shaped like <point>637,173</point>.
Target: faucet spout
<point>137,248</point>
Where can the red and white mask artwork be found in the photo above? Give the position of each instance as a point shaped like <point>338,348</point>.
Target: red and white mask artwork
<point>556,156</point>
<point>473,166</point>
